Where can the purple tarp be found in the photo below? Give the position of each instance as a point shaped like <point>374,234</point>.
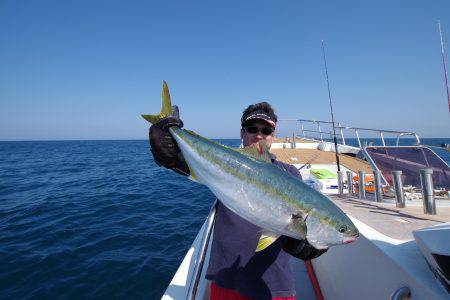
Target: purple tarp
<point>410,160</point>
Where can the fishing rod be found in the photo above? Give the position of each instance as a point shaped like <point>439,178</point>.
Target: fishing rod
<point>331,109</point>
<point>443,62</point>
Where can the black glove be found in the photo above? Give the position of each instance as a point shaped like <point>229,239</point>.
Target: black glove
<point>164,147</point>
<point>300,248</point>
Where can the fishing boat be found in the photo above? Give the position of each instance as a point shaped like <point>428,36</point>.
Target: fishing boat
<point>403,252</point>
<point>397,196</point>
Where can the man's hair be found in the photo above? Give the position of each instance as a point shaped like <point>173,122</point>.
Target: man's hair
<point>262,107</point>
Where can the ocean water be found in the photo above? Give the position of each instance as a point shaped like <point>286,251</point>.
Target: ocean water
<point>94,219</point>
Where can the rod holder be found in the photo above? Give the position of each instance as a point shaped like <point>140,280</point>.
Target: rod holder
<point>350,182</point>
<point>377,186</point>
<point>426,179</point>
<point>398,185</point>
<point>362,185</point>
<point>340,175</point>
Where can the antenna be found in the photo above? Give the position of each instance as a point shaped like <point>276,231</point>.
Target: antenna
<point>443,62</point>
<point>331,109</point>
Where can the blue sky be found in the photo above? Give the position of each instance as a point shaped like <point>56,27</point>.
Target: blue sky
<point>88,69</point>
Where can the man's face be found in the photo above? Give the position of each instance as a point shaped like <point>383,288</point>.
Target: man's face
<point>249,138</point>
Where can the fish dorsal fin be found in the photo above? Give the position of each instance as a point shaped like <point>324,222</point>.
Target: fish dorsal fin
<point>265,239</point>
<point>258,151</point>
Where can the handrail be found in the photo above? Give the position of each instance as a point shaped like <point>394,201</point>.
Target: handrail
<point>310,121</point>
<point>374,166</point>
<point>381,132</point>
<point>320,132</point>
<point>356,130</point>
<point>376,130</point>
<point>408,133</point>
<point>423,146</point>
<point>199,262</point>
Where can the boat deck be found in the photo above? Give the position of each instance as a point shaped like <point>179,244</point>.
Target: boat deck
<point>315,156</point>
<point>386,218</point>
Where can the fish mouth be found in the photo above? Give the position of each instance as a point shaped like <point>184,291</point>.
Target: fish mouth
<point>350,239</point>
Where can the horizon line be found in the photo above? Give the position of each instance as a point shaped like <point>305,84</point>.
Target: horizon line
<point>131,139</point>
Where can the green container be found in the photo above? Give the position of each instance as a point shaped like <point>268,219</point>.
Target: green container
<point>323,174</point>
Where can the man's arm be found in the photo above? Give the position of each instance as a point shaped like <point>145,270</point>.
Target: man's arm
<point>164,147</point>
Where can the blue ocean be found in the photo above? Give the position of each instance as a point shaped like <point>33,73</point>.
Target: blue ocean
<point>95,219</point>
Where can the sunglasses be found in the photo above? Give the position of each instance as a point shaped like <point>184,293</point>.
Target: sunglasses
<point>265,130</point>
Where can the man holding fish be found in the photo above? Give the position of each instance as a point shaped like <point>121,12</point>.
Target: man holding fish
<point>264,215</point>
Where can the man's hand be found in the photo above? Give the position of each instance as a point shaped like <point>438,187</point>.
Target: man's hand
<point>300,248</point>
<point>164,147</point>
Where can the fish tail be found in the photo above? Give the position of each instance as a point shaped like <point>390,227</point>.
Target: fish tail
<point>166,109</point>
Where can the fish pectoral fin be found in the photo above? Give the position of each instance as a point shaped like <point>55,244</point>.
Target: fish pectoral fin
<point>266,238</point>
<point>192,175</point>
<point>298,223</point>
<point>193,178</point>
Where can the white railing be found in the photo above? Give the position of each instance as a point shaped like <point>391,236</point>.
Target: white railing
<point>356,131</point>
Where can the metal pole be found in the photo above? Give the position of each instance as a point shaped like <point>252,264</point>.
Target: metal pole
<point>429,205</point>
<point>341,183</point>
<point>320,131</point>
<point>382,138</point>
<point>417,139</point>
<point>362,185</point>
<point>357,136</point>
<point>377,186</point>
<point>342,133</point>
<point>398,185</point>
<point>293,145</point>
<point>350,182</point>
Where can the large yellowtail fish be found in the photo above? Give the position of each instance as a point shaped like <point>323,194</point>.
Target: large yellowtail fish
<point>250,185</point>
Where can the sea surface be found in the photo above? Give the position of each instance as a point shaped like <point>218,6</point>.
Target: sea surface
<point>95,219</point>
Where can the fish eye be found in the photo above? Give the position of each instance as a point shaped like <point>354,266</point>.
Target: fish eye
<point>342,229</point>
